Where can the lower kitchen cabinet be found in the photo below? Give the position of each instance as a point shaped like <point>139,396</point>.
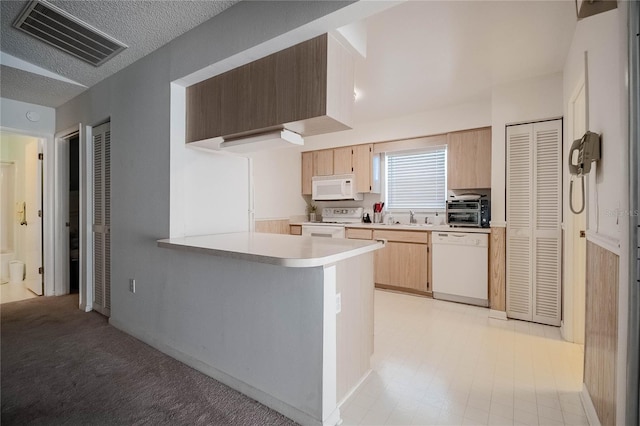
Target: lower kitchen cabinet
<point>359,234</point>
<point>404,264</point>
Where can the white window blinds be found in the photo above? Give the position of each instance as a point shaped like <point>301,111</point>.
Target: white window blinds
<point>417,180</point>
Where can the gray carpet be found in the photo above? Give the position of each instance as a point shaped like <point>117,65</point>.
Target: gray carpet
<point>61,366</point>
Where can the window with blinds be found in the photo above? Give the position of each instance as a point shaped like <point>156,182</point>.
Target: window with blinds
<point>416,180</point>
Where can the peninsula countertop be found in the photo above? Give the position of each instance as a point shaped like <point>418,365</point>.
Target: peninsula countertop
<point>276,249</point>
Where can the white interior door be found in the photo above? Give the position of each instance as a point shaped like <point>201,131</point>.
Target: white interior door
<point>534,215</point>
<point>547,225</point>
<point>519,221</point>
<point>102,219</point>
<point>62,216</point>
<point>33,200</point>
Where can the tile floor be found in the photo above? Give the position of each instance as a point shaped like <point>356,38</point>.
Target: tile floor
<point>441,363</point>
<point>11,292</point>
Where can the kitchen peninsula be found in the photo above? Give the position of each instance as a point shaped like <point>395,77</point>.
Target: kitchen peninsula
<point>286,320</point>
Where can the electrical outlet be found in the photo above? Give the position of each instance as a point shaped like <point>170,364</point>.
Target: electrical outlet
<point>132,285</point>
<point>338,303</point>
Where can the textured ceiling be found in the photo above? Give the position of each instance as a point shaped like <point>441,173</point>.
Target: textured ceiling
<point>35,89</point>
<point>144,26</point>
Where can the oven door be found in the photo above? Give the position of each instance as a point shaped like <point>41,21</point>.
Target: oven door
<point>326,231</point>
<point>464,218</point>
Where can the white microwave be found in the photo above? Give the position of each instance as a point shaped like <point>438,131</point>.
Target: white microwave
<point>336,187</point>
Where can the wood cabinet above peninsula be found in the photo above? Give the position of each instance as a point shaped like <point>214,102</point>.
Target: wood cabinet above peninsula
<point>307,88</point>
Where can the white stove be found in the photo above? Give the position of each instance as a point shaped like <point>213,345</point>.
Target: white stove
<point>333,222</point>
<point>342,214</point>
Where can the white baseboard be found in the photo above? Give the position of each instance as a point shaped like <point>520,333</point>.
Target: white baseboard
<point>355,388</point>
<point>589,409</point>
<point>501,315</point>
<point>244,388</point>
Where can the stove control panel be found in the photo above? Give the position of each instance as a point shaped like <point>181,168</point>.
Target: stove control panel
<point>342,214</point>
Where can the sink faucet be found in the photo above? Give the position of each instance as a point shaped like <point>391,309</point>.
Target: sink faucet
<point>412,219</point>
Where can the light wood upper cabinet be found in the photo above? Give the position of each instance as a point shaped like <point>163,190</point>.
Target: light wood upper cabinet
<point>356,159</point>
<point>469,159</point>
<point>342,161</point>
<point>307,172</point>
<point>323,162</point>
<point>308,88</point>
<point>362,165</point>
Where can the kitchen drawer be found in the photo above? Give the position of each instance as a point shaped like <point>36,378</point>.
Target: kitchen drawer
<point>359,234</point>
<point>295,229</point>
<point>419,237</point>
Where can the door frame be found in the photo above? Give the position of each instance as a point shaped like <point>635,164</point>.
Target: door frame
<point>633,326</point>
<point>568,325</point>
<point>60,189</point>
<point>45,141</point>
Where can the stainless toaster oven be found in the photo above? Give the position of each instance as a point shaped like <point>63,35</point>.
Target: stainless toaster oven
<point>471,213</point>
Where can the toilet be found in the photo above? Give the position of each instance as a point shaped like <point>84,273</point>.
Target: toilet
<point>16,272</point>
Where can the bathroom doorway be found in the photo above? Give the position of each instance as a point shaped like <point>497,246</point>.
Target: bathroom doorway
<point>21,180</point>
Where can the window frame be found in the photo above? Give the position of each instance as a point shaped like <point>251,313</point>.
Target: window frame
<point>385,183</point>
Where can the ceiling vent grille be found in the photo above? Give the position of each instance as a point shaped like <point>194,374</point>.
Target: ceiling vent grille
<point>66,32</point>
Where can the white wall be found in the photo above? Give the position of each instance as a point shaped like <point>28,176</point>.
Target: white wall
<point>277,179</point>
<point>432,122</point>
<point>522,101</point>
<point>598,36</point>
<point>603,38</point>
<point>265,340</point>
<point>13,116</point>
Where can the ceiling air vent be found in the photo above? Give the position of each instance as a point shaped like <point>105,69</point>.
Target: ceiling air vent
<point>66,32</point>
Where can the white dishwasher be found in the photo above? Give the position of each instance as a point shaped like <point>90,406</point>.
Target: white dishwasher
<point>460,267</point>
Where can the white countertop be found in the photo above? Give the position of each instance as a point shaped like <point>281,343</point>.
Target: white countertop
<point>418,227</point>
<point>276,249</point>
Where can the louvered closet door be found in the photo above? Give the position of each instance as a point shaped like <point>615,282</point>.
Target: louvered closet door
<point>519,219</point>
<point>534,214</point>
<point>102,219</point>
<point>547,221</point>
